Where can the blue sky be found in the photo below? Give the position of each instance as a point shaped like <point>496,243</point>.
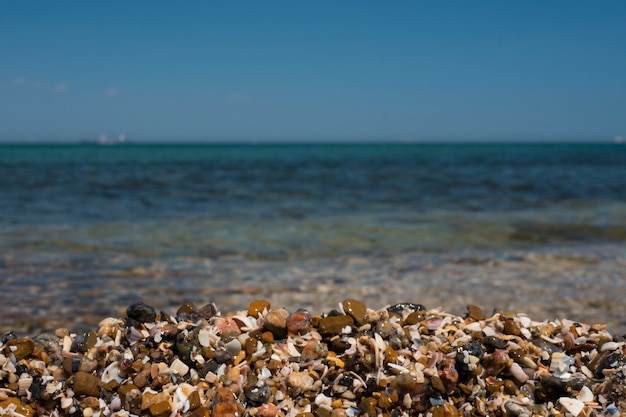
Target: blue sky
<point>340,70</point>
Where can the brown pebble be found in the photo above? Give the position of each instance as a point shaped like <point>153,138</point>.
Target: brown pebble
<point>276,322</point>
<point>149,399</point>
<point>91,402</point>
<point>161,409</point>
<point>21,348</point>
<point>355,309</point>
<point>368,405</point>
<point>267,337</point>
<point>257,307</point>
<point>406,383</point>
<point>414,318</point>
<point>25,410</point>
<point>194,400</point>
<point>509,387</point>
<point>475,312</point>
<point>391,356</point>
<point>267,410</point>
<point>143,377</point>
<point>321,412</point>
<point>438,411</point>
<point>200,412</point>
<point>511,328</point>
<point>450,410</point>
<point>86,384</point>
<point>188,308</point>
<point>334,324</point>
<point>225,404</point>
<point>299,322</point>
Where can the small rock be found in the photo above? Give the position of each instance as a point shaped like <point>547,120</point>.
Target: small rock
<point>299,322</point>
<point>161,409</point>
<point>141,312</point>
<point>612,360</point>
<point>86,384</point>
<point>475,313</point>
<point>405,383</point>
<point>400,308</point>
<point>187,308</point>
<point>258,395</point>
<point>224,404</point>
<point>257,307</point>
<point>511,328</point>
<point>299,382</point>
<point>267,410</point>
<point>276,322</point>
<point>355,309</point>
<point>332,325</point>
<point>21,348</point>
<point>208,311</point>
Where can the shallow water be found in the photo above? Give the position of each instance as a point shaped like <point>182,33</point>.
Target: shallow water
<point>86,230</point>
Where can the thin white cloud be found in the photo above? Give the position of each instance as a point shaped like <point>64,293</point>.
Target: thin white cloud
<point>111,92</point>
<point>60,88</point>
<point>40,85</point>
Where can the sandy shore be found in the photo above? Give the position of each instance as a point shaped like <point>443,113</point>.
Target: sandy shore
<point>587,286</point>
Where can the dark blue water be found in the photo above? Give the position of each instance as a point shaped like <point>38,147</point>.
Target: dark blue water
<point>277,201</point>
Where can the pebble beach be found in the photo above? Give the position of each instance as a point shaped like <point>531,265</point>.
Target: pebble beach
<point>401,360</point>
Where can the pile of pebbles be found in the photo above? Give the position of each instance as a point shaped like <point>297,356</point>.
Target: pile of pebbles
<point>401,360</point>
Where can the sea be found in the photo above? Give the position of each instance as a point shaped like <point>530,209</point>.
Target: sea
<point>87,229</point>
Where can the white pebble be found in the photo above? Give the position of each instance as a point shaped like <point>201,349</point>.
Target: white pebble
<point>572,405</point>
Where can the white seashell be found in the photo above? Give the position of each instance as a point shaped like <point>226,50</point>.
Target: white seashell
<point>24,383</point>
<point>488,331</point>
<point>111,372</point>
<point>323,401</point>
<point>67,343</point>
<point>611,346</point>
<point>572,405</point>
<point>293,352</point>
<point>585,395</point>
<point>587,372</point>
<point>525,321</point>
<point>53,387</point>
<point>66,402</point>
<point>474,327</point>
<point>179,367</point>
<point>518,373</point>
<point>398,368</point>
<point>203,338</point>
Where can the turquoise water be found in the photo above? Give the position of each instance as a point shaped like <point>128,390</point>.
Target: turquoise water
<point>282,201</point>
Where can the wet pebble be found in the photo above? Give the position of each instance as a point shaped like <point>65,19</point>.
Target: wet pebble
<point>299,322</point>
<point>276,322</point>
<point>141,312</point>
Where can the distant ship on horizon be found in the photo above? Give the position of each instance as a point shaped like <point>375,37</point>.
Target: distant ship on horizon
<point>105,140</point>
